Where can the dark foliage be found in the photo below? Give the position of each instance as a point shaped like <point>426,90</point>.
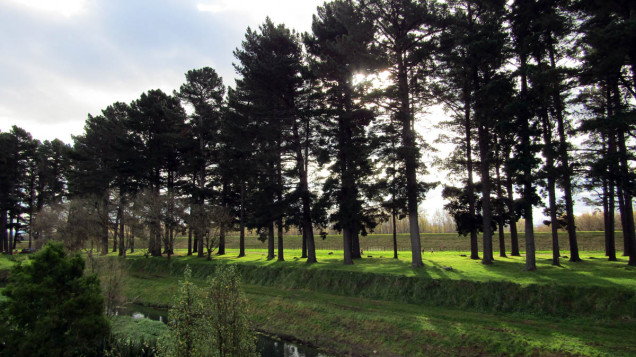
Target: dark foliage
<point>52,309</point>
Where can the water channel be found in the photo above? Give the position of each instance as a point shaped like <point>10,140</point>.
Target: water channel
<point>266,346</point>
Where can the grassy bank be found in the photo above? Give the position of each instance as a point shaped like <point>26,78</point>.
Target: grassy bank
<point>542,295</point>
<point>358,326</point>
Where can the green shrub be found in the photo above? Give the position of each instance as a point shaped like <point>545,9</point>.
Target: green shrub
<point>127,347</point>
<point>210,321</point>
<point>137,329</point>
<point>51,308</point>
<point>228,313</point>
<point>134,337</point>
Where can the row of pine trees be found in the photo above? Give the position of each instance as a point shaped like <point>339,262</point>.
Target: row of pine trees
<point>318,132</point>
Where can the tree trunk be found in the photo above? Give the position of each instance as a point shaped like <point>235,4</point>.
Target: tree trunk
<point>554,225</point>
<point>189,240</point>
<point>116,229</point>
<point>303,253</point>
<point>624,184</point>
<point>627,212</point>
<point>346,237</point>
<point>613,168</point>
<point>14,235</point>
<point>566,175</point>
<point>32,208</point>
<point>608,206</point>
<point>11,235</point>
<point>502,241</point>
<point>122,238</point>
<point>192,248</point>
<point>549,157</point>
<point>501,222</point>
<point>502,238</point>
<point>474,248</point>
<point>309,245</point>
<point>608,219</point>
<point>281,255</point>
<point>355,243</point>
<point>171,239</point>
<point>395,248</point>
<point>221,240</point>
<point>526,153</point>
<point>4,239</point>
<point>410,160</point>
<point>270,241</point>
<point>514,238</point>
<point>620,199</point>
<point>486,207</point>
<point>198,233</point>
<point>198,237</point>
<point>166,240</point>
<point>154,244</point>
<point>155,238</point>
<point>104,226</point>
<point>531,264</point>
<point>242,222</point>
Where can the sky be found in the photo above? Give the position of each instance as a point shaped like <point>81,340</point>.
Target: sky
<point>63,59</point>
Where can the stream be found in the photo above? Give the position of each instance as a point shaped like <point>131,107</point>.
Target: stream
<point>266,346</point>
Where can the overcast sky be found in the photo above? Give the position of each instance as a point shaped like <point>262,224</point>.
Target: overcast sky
<point>63,59</point>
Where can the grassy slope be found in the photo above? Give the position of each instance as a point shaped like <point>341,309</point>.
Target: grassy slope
<point>361,326</point>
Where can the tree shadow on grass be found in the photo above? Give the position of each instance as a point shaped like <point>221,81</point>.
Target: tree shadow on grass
<point>585,273</point>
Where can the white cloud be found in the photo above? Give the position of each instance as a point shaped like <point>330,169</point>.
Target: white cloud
<point>66,8</point>
<point>295,14</point>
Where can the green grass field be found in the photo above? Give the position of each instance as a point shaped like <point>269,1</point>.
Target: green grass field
<point>594,270</point>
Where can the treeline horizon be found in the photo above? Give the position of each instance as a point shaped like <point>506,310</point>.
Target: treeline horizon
<point>520,80</point>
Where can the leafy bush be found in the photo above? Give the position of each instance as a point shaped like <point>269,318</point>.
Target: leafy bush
<point>51,308</point>
<point>228,313</point>
<point>211,321</point>
<point>128,347</point>
<point>138,329</point>
<point>189,331</point>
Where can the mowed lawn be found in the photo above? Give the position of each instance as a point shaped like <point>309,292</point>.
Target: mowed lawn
<point>594,270</point>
